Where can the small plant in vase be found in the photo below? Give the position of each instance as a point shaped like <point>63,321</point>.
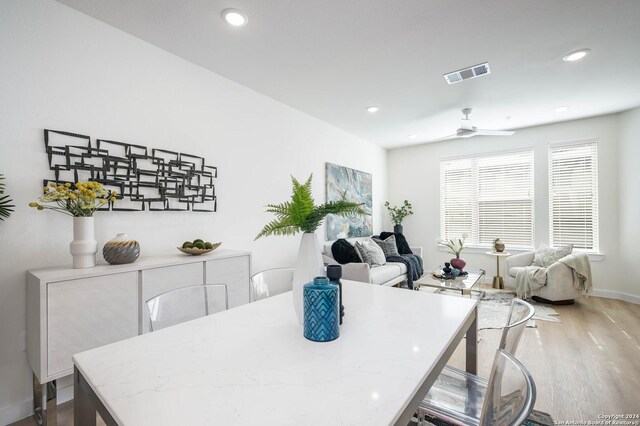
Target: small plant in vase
<point>79,200</point>
<point>302,215</point>
<point>398,214</point>
<point>455,247</point>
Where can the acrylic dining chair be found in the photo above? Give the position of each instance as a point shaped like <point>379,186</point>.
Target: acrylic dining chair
<point>505,400</point>
<point>271,282</point>
<point>455,390</point>
<point>185,304</point>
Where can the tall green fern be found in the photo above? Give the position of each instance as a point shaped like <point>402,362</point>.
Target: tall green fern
<point>6,208</point>
<point>302,215</point>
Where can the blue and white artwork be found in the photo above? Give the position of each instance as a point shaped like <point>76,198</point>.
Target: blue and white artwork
<point>357,187</point>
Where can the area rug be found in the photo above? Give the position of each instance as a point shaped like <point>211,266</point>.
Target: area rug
<point>493,310</point>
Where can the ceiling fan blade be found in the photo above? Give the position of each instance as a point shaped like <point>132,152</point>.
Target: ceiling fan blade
<point>484,132</point>
<point>444,138</point>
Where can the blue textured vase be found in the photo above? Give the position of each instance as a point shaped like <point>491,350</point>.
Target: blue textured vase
<point>321,310</point>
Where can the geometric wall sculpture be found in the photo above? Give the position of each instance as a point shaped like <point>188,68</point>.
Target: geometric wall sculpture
<point>144,178</point>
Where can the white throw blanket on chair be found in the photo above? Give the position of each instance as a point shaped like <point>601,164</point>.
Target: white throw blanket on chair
<point>530,280</point>
<point>581,268</point>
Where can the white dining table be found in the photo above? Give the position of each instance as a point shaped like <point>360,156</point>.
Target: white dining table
<point>252,364</point>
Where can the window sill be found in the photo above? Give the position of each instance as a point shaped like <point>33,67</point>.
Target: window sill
<point>594,257</point>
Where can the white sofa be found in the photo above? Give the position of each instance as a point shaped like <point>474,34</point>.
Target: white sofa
<point>559,286</point>
<point>389,274</point>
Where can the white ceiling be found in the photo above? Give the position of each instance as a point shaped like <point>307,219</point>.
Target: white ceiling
<point>332,58</point>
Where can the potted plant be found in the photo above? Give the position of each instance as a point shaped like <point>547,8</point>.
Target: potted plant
<point>6,208</point>
<point>302,215</point>
<point>455,247</point>
<point>79,200</point>
<point>398,214</point>
<point>498,245</point>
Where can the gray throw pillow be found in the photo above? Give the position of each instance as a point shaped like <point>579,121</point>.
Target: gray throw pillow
<point>377,255</point>
<point>546,256</point>
<point>388,246</point>
<point>363,253</point>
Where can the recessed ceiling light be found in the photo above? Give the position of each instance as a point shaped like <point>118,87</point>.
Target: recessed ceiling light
<point>372,109</point>
<point>561,108</point>
<point>234,17</point>
<point>576,55</point>
<point>413,136</point>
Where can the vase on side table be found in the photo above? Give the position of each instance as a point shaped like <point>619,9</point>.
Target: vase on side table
<point>308,266</point>
<point>458,263</point>
<point>84,245</point>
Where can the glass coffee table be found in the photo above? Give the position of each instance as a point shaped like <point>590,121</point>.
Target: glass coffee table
<point>462,284</point>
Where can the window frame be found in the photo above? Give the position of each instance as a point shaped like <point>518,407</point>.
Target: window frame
<point>476,198</point>
<point>595,246</point>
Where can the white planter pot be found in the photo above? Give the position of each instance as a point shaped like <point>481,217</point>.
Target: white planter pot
<point>84,245</point>
<point>308,266</point>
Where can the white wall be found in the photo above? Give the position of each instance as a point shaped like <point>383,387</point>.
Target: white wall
<point>414,174</point>
<point>629,190</point>
<point>60,69</point>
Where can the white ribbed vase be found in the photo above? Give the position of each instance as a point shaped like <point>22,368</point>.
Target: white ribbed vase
<point>308,266</point>
<point>84,245</point>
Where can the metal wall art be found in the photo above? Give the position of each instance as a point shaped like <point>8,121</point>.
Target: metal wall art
<point>145,178</point>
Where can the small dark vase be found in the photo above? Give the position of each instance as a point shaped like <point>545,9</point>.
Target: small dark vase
<point>334,273</point>
<point>447,268</point>
<point>498,246</point>
<point>397,229</point>
<point>458,263</point>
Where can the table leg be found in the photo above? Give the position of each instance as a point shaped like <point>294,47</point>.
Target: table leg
<point>86,403</point>
<point>84,410</point>
<point>498,282</point>
<point>472,345</point>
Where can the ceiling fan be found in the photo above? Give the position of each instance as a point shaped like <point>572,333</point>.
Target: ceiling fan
<point>467,129</point>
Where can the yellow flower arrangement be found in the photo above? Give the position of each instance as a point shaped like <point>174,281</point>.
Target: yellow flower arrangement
<point>80,199</point>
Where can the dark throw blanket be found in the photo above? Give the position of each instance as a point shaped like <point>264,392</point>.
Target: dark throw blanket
<point>414,266</point>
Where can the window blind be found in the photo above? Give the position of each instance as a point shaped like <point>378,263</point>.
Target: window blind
<point>488,197</point>
<point>573,195</point>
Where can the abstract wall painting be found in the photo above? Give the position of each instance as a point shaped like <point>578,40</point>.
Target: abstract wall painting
<point>357,187</point>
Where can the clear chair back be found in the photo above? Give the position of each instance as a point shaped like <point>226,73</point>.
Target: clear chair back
<point>185,304</point>
<point>271,282</point>
<point>511,392</point>
<point>519,314</point>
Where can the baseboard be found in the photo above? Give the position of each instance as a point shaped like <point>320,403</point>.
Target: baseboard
<point>617,295</point>
<point>65,394</point>
<point>16,412</point>
<point>24,409</point>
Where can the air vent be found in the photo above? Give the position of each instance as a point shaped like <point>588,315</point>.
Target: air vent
<point>467,73</point>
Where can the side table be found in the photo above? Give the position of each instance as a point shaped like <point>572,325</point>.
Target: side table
<point>498,282</point>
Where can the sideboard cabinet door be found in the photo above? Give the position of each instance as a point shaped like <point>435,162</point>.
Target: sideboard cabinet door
<point>86,313</point>
<point>234,272</point>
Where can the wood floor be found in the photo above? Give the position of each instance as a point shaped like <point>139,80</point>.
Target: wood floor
<point>586,366</point>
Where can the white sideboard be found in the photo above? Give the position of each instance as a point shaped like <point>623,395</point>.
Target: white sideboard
<point>73,310</point>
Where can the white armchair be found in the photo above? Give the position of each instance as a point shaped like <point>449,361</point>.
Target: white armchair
<point>559,288</point>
